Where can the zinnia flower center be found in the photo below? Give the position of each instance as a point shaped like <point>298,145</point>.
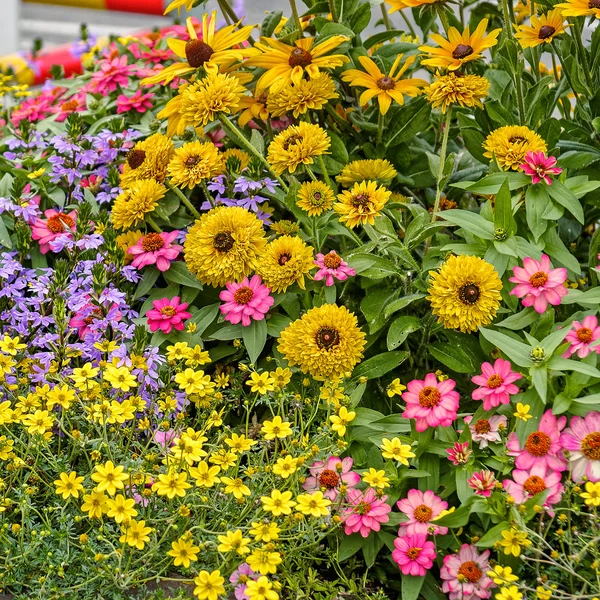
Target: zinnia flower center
<point>483,426</point>
<point>469,293</point>
<point>69,105</point>
<point>59,222</point>
<point>429,397</point>
<point>413,553</point>
<point>470,572</point>
<point>168,311</point>
<point>332,260</point>
<point>152,242</point>
<point>495,381</point>
<point>329,479</point>
<point>462,51</point>
<point>538,443</point>
<point>545,32</point>
<point>284,258</point>
<point>386,83</point>
<point>243,295</point>
<point>197,53</point>
<point>327,337</point>
<point>590,445</point>
<point>538,279</point>
<point>362,508</point>
<point>534,485</point>
<point>223,242</point>
<point>135,158</point>
<point>300,58</point>
<point>360,200</point>
<point>585,335</point>
<point>423,513</point>
<point>594,4</point>
<point>516,138</point>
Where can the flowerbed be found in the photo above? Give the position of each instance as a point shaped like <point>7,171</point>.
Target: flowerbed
<point>310,315</point>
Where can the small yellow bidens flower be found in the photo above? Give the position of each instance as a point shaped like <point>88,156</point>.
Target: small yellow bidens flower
<point>278,503</point>
<point>394,449</point>
<point>543,593</point>
<point>120,378</point>
<point>341,420</point>
<point>285,466</point>
<point>39,422</point>
<point>522,412</point>
<point>264,561</point>
<point>109,478</point>
<point>94,504</point>
<point>376,479</point>
<point>135,534</point>
<point>265,532</point>
<point>205,475</point>
<point>121,509</point>
<point>502,575</point>
<point>514,541</point>
<point>234,540</point>
<point>36,174</point>
<point>395,388</point>
<point>183,551</point>
<point>262,383</point>
<point>209,586</point>
<point>239,443</point>
<point>171,484</point>
<point>194,382</point>
<point>11,346</point>
<point>68,485</point>
<point>509,593</point>
<point>236,487</point>
<point>314,504</point>
<point>261,589</point>
<point>277,428</point>
<point>591,494</point>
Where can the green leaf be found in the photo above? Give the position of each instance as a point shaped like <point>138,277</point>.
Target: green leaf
<point>503,214</point>
<point>373,544</point>
<point>471,222</point>
<point>204,317</point>
<point>565,197</point>
<point>151,274</point>
<point>229,332</point>
<point>401,303</point>
<point>400,329</point>
<point>517,351</point>
<point>4,235</point>
<point>270,23</point>
<point>349,546</point>
<point>381,37</point>
<point>556,249</point>
<point>407,121</point>
<point>491,184</point>
<point>558,363</point>
<point>276,324</point>
<point>452,357</point>
<point>411,586</point>
<point>379,365</point>
<point>180,274</point>
<point>493,535</point>
<point>536,202</point>
<point>255,338</point>
<point>457,518</point>
<point>539,378</point>
<point>588,298</point>
<point>257,141</point>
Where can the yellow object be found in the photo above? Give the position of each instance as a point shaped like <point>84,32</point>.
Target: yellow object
<point>97,4</point>
<point>19,66</point>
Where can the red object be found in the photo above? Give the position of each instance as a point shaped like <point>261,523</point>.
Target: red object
<point>149,7</point>
<point>58,56</point>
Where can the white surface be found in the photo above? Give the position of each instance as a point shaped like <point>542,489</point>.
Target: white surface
<point>9,26</point>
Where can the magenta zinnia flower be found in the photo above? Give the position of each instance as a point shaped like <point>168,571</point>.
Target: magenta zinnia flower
<point>540,166</point>
<point>496,384</point>
<point>582,440</point>
<point>485,431</point>
<point>482,483</point>
<point>112,73</point>
<point>364,512</point>
<point>459,453</point>
<point>431,402</point>
<point>542,447</point>
<point>538,284</point>
<point>155,249</point>
<point>138,102</point>
<point>246,300</point>
<point>167,315</point>
<point>414,554</point>
<point>526,484</point>
<point>582,336</point>
<point>464,575</point>
<point>330,476</point>
<point>421,508</point>
<point>56,224</point>
<point>331,267</point>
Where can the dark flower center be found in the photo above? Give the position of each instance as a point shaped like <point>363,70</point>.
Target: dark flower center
<point>538,279</point>
<point>327,337</point>
<point>317,199</point>
<point>69,106</point>
<point>360,200</point>
<point>300,58</point>
<point>429,397</point>
<point>545,32</point>
<point>538,443</point>
<point>59,222</point>
<point>386,83</point>
<point>284,258</point>
<point>495,381</point>
<point>423,513</point>
<point>223,242</point>
<point>329,479</point>
<point>192,161</point>
<point>152,242</point>
<point>363,508</point>
<point>594,4</point>
<point>168,311</point>
<point>585,335</point>
<point>332,260</point>
<point>469,294</point>
<point>243,295</point>
<point>292,141</point>
<point>462,51</point>
<point>516,138</point>
<point>534,485</point>
<point>469,571</point>
<point>135,158</point>
<point>482,426</point>
<point>590,445</point>
<point>197,53</point>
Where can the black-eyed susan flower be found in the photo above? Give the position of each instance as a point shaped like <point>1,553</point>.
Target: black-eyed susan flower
<point>542,30</point>
<point>298,99</point>
<point>297,145</point>
<point>315,197</point>
<point>224,245</point>
<point>135,202</point>
<point>580,8</point>
<point>453,88</point>
<point>195,162</point>
<point>465,293</point>
<point>384,87</point>
<point>362,203</point>
<point>459,48</point>
<point>286,63</point>
<point>510,144</point>
<point>371,169</point>
<point>325,342</point>
<point>285,261</point>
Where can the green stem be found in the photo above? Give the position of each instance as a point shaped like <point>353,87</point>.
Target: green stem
<point>184,200</point>
<point>438,193</point>
<point>564,70</point>
<point>386,17</point>
<point>409,25</point>
<point>226,8</point>
<point>520,65</point>
<point>296,16</point>
<point>583,53</point>
<point>324,170</point>
<point>333,11</point>
<point>207,193</point>
<point>443,18</point>
<point>380,123</point>
<point>152,224</point>
<point>507,21</point>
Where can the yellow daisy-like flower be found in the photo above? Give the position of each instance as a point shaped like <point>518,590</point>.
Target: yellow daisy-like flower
<point>265,532</point>
<point>394,449</point>
<point>580,8</point>
<point>543,29</point>
<point>314,505</point>
<point>224,245</point>
<point>253,107</point>
<point>591,496</point>
<point>263,560</point>
<point>288,64</point>
<point>95,504</point>
<point>278,503</point>
<point>209,586</point>
<point>401,4</point>
<point>172,112</point>
<point>136,534</point>
<point>285,261</point>
<point>213,49</point>
<point>171,484</point>
<point>261,589</point>
<point>326,342</point>
<point>126,240</point>
<point>513,541</point>
<point>362,203</point>
<point>284,227</point>
<point>109,478</point>
<point>308,94</point>
<point>69,485</point>
<point>234,541</point>
<point>465,293</point>
<point>194,162</point>
<point>183,551</point>
<point>466,90</point>
<point>502,575</point>
<point>135,202</point>
<point>522,10</point>
<point>509,145</point>
<point>121,509</point>
<point>459,48</point>
<point>371,169</point>
<point>202,102</point>
<point>235,154</point>
<point>376,479</point>
<point>395,388</point>
<point>315,197</point>
<point>339,422</point>
<point>148,159</point>
<point>381,86</point>
<point>296,145</point>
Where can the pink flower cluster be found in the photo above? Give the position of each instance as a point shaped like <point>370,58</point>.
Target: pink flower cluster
<point>246,301</point>
<point>167,315</point>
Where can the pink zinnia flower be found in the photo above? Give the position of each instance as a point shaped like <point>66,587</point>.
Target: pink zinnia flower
<point>482,482</point>
<point>431,402</point>
<point>165,438</point>
<point>112,73</point>
<point>582,440</point>
<point>331,267</point>
<point>364,512</point>
<point>542,447</point>
<point>459,453</point>
<point>74,104</point>
<point>56,224</point>
<point>582,337</point>
<point>88,314</point>
<point>485,431</point>
<point>496,384</point>
<point>330,476</point>
<point>538,284</point>
<point>421,508</point>
<point>464,575</point>
<point>167,315</point>
<point>138,102</point>
<point>155,249</point>
<point>539,478</point>
<point>540,166</point>
<point>246,300</point>
<point>239,578</point>
<point>414,554</point>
